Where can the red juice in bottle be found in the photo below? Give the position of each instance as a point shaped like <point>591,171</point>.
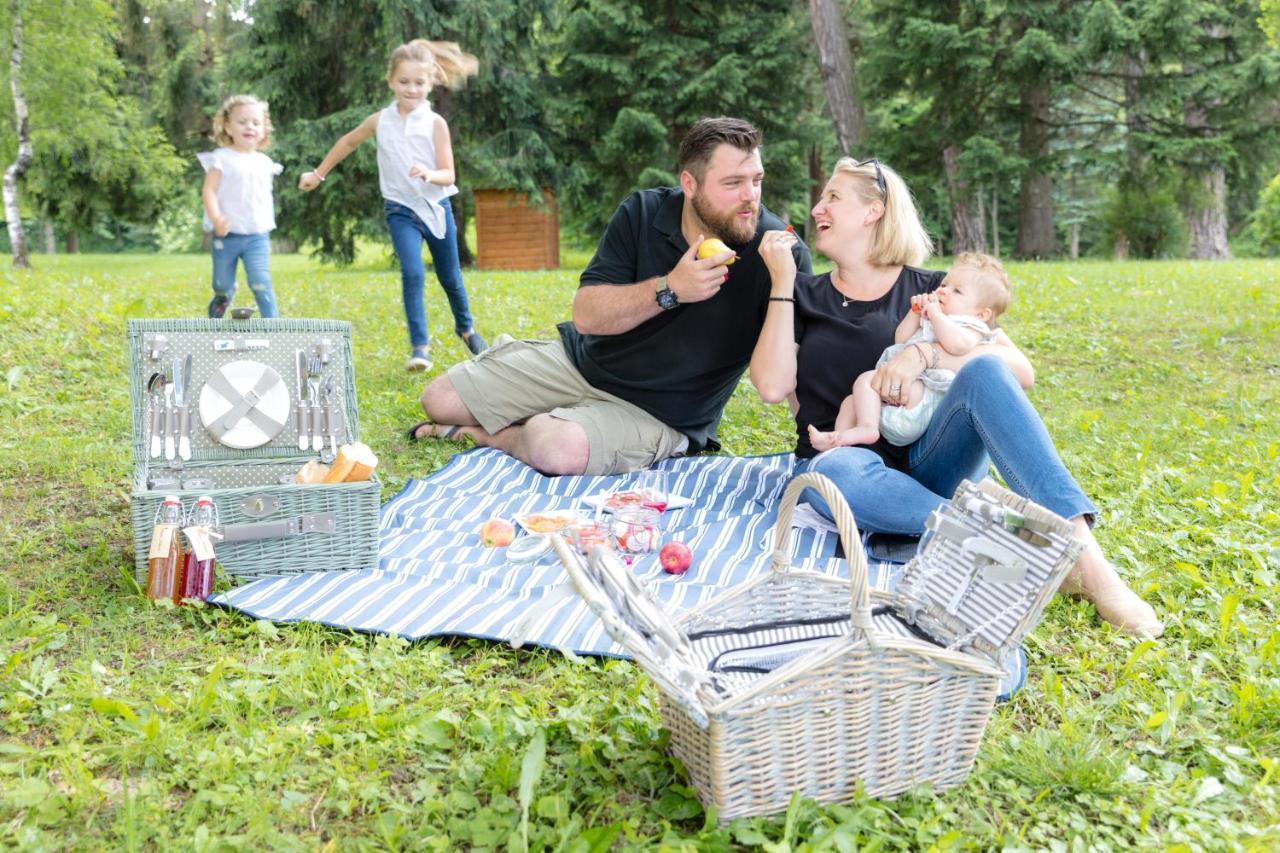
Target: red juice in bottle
<point>197,575</point>
<point>164,560</point>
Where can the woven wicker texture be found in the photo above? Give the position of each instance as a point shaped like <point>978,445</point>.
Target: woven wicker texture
<point>848,694</point>
<point>236,478</point>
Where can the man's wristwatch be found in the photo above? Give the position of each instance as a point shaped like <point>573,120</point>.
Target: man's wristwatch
<point>666,296</point>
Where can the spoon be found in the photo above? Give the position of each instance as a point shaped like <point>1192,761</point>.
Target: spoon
<point>155,388</point>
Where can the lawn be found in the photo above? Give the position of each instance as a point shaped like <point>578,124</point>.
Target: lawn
<point>124,725</point>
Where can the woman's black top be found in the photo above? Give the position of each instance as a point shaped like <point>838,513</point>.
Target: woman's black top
<point>839,342</point>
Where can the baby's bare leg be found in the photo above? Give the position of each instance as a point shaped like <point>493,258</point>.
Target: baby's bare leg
<point>857,422</point>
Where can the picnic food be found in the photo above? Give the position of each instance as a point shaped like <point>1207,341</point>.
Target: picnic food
<point>549,522</point>
<point>313,472</point>
<point>497,533</point>
<point>635,529</point>
<point>675,557</point>
<point>355,462</point>
<point>713,246</point>
<point>621,499</point>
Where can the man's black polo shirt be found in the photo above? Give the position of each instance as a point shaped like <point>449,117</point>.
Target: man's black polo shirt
<point>682,365</point>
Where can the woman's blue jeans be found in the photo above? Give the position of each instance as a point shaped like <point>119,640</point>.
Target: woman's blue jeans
<point>984,417</point>
<point>254,250</point>
<point>407,234</point>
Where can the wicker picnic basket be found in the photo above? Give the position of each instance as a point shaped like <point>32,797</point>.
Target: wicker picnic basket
<point>781,687</point>
<point>270,525</point>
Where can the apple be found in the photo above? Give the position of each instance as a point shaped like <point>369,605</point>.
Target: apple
<point>711,247</point>
<point>497,533</point>
<point>675,557</point>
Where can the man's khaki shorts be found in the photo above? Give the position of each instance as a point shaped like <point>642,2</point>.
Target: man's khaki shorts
<point>514,380</point>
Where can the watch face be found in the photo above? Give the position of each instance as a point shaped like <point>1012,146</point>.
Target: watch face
<point>667,300</point>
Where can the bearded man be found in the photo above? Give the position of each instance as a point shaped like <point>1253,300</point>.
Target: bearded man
<point>659,338</point>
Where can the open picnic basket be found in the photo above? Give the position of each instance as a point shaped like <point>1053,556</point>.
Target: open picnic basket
<point>780,686</point>
<point>252,392</point>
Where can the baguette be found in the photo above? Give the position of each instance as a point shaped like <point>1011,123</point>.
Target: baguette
<point>355,462</point>
<point>312,472</point>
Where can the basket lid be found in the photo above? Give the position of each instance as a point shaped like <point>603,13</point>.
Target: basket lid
<point>636,621</point>
<point>243,380</point>
<point>989,563</point>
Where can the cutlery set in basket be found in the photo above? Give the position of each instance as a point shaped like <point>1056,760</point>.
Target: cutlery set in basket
<point>214,413</point>
<point>802,682</point>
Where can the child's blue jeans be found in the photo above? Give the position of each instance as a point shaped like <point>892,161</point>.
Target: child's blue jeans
<point>254,250</point>
<point>407,234</point>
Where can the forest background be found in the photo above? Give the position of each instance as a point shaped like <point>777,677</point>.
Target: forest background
<point>1129,128</point>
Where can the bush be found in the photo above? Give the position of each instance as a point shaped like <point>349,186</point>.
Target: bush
<point>1265,226</point>
<point>1143,214</point>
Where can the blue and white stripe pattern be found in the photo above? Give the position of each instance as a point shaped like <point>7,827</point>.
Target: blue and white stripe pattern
<point>435,579</point>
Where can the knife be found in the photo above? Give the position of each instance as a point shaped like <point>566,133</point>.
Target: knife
<point>301,409</point>
<point>184,410</point>
<point>171,414</point>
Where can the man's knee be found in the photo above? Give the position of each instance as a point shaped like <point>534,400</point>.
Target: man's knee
<point>555,446</point>
<point>441,402</point>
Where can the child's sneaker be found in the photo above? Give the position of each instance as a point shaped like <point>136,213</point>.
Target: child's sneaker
<point>474,342</point>
<point>418,360</point>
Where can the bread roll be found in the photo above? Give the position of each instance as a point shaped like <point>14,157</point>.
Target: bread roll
<point>313,472</point>
<point>355,462</point>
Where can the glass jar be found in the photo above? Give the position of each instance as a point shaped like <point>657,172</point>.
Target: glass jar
<point>585,535</point>
<point>636,529</point>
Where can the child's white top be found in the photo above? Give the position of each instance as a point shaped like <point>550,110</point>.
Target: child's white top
<point>966,321</point>
<point>403,141</point>
<point>244,194</point>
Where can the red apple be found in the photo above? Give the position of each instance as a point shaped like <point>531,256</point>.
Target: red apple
<point>675,558</point>
<point>497,533</point>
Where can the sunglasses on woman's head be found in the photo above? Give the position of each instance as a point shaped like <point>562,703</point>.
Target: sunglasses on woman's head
<point>879,174</point>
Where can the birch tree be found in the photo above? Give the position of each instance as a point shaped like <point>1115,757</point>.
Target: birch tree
<point>13,174</point>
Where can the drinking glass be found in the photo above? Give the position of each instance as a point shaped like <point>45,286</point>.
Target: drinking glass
<point>652,485</point>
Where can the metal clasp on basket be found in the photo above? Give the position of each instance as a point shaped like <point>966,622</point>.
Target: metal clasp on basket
<point>323,523</point>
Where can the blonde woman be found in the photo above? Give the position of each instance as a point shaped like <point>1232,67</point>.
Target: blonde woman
<point>822,331</point>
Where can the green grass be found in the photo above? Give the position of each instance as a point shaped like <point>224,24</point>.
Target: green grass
<point>124,725</point>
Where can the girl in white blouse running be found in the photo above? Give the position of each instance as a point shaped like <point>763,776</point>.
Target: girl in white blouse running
<point>415,172</point>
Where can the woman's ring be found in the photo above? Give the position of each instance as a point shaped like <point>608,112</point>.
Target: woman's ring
<point>895,387</point>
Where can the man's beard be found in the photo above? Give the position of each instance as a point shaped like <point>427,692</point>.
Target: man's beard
<point>729,227</point>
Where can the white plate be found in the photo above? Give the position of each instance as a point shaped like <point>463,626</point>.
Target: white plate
<point>530,522</point>
<point>674,502</point>
<point>274,403</point>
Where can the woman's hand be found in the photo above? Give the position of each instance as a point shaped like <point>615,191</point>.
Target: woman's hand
<point>221,226</point>
<point>309,181</point>
<point>775,248</point>
<point>892,381</point>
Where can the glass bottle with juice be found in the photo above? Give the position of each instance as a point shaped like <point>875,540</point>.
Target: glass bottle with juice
<point>197,574</point>
<point>164,559</point>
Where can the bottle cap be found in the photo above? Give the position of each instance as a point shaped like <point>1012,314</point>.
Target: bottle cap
<point>172,499</point>
<point>204,500</point>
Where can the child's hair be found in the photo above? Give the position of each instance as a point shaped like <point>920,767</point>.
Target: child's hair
<point>223,117</point>
<point>450,65</point>
<point>708,134</point>
<point>991,277</point>
<point>899,236</point>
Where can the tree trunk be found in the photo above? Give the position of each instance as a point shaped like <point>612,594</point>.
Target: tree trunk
<point>73,242</point>
<point>465,256</point>
<point>1207,210</point>
<point>1036,238</point>
<point>995,221</point>
<point>1075,241</point>
<point>968,231</point>
<point>50,238</point>
<point>835,61</point>
<point>1207,217</point>
<point>13,174</point>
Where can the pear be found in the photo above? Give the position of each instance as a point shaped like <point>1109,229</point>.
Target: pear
<point>713,246</point>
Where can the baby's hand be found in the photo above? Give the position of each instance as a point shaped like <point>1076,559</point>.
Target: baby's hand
<point>417,170</point>
<point>919,301</point>
<point>821,440</point>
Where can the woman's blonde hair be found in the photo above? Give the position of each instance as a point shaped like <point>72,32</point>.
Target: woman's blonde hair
<point>223,117</point>
<point>450,65</point>
<point>899,237</point>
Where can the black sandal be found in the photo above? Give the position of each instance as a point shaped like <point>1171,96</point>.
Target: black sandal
<point>434,435</point>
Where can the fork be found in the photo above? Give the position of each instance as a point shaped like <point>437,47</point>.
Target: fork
<point>314,366</point>
<point>170,416</point>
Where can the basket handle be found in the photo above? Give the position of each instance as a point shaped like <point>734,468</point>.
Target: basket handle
<point>849,538</point>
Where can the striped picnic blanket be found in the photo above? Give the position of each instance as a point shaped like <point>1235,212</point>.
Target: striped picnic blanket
<point>435,579</point>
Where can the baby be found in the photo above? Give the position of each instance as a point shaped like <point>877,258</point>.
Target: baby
<point>958,316</point>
